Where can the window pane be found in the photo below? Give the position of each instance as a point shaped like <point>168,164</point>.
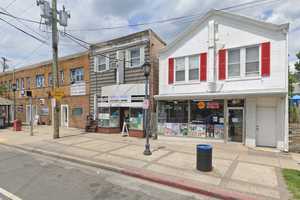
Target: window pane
<point>194,74</point>
<point>135,57</point>
<point>180,64</point>
<point>180,75</point>
<point>233,70</point>
<point>193,62</point>
<point>135,61</point>
<point>234,56</point>
<point>234,63</point>
<point>252,68</point>
<point>252,54</point>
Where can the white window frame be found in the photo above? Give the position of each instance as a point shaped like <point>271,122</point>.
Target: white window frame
<point>42,83</point>
<point>97,62</point>
<point>188,68</point>
<point>77,68</point>
<point>243,63</point>
<point>142,56</point>
<point>185,69</point>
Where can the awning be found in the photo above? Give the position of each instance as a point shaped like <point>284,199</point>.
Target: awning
<point>5,102</point>
<point>219,95</point>
<point>296,97</point>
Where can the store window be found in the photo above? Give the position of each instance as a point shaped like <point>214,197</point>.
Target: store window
<point>76,75</point>
<point>234,63</point>
<point>207,119</point>
<point>136,119</point>
<point>109,117</point>
<point>173,112</point>
<point>40,81</point>
<point>180,69</point>
<point>252,61</point>
<point>194,67</point>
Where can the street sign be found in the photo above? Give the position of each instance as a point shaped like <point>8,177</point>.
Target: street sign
<point>58,94</point>
<point>146,104</point>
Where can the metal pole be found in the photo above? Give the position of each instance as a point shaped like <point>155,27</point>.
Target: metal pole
<point>14,90</point>
<point>55,68</point>
<point>31,117</point>
<point>147,151</point>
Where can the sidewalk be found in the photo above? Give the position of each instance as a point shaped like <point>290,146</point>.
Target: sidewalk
<point>238,171</point>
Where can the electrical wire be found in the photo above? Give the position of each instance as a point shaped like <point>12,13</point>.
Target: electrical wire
<point>170,20</point>
<point>19,18</point>
<point>12,2</point>
<point>29,34</point>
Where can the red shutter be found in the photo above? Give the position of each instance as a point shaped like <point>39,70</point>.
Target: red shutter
<point>171,70</point>
<point>222,64</point>
<point>203,65</point>
<point>265,58</point>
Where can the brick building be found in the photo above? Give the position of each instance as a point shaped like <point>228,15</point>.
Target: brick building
<point>118,82</point>
<point>73,79</point>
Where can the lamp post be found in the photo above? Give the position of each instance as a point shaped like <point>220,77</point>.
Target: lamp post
<point>146,67</point>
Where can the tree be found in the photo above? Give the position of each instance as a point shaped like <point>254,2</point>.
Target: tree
<point>3,89</point>
<point>297,64</point>
<point>293,78</point>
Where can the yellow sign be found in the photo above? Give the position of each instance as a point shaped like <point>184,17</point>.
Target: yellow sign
<point>58,94</point>
<point>201,105</point>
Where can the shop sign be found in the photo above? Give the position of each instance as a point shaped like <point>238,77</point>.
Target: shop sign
<point>78,89</point>
<point>201,104</point>
<point>213,105</point>
<point>122,98</point>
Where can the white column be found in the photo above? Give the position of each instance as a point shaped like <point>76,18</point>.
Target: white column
<point>95,107</point>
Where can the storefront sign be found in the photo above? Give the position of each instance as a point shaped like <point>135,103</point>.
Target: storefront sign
<point>122,98</point>
<point>213,105</point>
<point>201,105</point>
<point>78,89</point>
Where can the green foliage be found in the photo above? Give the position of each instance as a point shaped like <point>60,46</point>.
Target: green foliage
<point>292,178</point>
<point>297,64</point>
<point>292,80</point>
<point>3,89</point>
<point>294,114</point>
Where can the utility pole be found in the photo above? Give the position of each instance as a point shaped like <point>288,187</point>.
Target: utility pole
<point>55,68</point>
<point>4,64</point>
<point>50,16</point>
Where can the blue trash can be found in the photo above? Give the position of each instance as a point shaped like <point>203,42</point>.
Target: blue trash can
<point>204,157</point>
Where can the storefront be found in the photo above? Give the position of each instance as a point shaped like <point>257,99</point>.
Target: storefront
<point>202,118</point>
<point>5,112</point>
<point>114,110</point>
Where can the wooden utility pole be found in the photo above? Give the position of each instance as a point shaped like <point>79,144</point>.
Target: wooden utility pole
<point>55,69</point>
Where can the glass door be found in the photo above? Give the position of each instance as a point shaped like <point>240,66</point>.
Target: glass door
<point>236,124</point>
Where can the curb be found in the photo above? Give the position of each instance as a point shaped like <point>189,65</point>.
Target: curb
<point>142,174</point>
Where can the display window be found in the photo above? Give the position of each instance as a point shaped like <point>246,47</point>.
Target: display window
<point>109,117</point>
<point>136,119</point>
<point>173,112</point>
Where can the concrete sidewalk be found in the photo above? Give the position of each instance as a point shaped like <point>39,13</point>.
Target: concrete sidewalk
<point>238,172</point>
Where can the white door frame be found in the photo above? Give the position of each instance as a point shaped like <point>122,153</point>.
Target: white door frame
<point>62,118</point>
<point>243,134</point>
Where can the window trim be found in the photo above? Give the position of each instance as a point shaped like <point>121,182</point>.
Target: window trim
<point>259,60</point>
<point>227,63</point>
<point>36,82</point>
<point>142,56</point>
<point>198,68</point>
<point>175,61</point>
<point>76,68</point>
<point>107,62</point>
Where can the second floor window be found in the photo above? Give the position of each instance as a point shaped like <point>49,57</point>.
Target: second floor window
<point>76,75</point>
<point>194,67</point>
<point>61,73</point>
<point>17,84</point>
<point>252,61</point>
<point>234,63</point>
<point>40,81</point>
<point>22,84</point>
<point>50,81</point>
<point>180,69</point>
<point>103,63</point>
<point>135,58</point>
<point>28,83</point>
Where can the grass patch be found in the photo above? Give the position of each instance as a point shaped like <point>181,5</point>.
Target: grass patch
<point>292,178</point>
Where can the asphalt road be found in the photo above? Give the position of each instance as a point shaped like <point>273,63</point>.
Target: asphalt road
<point>25,176</point>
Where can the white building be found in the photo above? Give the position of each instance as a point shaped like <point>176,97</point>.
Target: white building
<point>226,77</point>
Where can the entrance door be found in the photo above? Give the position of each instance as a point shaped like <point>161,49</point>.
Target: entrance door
<point>64,115</point>
<point>124,116</point>
<point>28,113</point>
<point>265,127</point>
<point>236,124</point>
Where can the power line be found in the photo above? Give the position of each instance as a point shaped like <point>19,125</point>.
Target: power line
<point>170,20</point>
<point>19,18</point>
<point>13,1</point>
<point>29,34</point>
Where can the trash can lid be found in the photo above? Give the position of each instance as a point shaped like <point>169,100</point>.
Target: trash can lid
<point>204,147</point>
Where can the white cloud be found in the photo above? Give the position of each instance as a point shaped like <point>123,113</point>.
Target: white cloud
<point>105,13</point>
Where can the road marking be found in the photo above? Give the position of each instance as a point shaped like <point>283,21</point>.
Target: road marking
<point>9,195</point>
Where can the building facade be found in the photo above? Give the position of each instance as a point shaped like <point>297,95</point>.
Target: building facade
<point>118,83</point>
<point>226,78</point>
<point>73,81</point>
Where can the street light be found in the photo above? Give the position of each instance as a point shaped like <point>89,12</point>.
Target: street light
<point>146,67</point>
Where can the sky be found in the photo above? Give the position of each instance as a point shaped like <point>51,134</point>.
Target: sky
<point>21,50</point>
